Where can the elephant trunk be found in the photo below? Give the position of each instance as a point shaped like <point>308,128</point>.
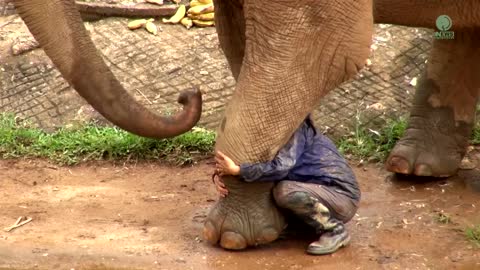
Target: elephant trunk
<point>58,27</point>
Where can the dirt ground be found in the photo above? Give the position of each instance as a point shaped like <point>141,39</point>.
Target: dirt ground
<point>149,216</point>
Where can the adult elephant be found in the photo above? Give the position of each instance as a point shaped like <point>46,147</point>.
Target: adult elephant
<point>286,55</point>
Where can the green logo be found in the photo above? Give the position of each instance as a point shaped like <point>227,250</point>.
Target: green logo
<point>444,23</point>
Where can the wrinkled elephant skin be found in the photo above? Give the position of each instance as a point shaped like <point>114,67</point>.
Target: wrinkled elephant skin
<point>444,106</point>
<point>443,112</point>
<point>285,55</point>
<point>238,221</point>
<point>291,47</point>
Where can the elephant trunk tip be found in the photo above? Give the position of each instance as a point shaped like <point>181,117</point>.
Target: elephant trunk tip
<point>191,96</point>
<point>185,120</point>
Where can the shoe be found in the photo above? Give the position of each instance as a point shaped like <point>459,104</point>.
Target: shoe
<point>329,242</point>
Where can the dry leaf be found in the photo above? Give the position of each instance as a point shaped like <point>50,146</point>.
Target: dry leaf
<point>156,2</point>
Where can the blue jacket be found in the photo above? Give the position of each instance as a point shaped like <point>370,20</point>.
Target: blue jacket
<point>307,157</point>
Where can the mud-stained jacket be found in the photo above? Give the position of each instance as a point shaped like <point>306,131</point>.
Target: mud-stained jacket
<point>307,157</point>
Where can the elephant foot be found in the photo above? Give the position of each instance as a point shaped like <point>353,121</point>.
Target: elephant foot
<point>414,156</point>
<point>246,217</point>
<point>433,144</point>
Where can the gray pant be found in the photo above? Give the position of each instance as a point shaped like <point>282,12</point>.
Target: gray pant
<point>325,208</point>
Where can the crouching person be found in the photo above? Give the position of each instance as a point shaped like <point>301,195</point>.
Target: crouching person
<point>313,181</point>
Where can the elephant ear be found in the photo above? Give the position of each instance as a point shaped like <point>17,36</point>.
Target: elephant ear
<point>58,27</point>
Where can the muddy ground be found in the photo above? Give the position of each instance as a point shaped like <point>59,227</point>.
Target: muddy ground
<point>149,216</point>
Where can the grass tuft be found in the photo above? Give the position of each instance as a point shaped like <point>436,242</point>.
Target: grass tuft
<point>476,134</point>
<point>91,142</point>
<point>442,218</point>
<point>473,234</point>
<point>365,143</point>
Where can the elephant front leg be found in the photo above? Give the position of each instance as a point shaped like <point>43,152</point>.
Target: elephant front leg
<point>230,26</point>
<point>246,217</point>
<point>443,112</point>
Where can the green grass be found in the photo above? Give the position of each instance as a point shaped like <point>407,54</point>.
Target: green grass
<point>443,218</point>
<point>91,142</point>
<point>473,234</point>
<point>365,143</point>
<point>375,145</point>
<point>476,134</point>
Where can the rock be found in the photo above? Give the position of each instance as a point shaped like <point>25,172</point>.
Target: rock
<point>24,44</point>
<point>376,106</point>
<point>413,82</point>
<point>468,164</point>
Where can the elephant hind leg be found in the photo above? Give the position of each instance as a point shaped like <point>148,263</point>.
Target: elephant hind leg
<point>434,142</point>
<point>443,113</point>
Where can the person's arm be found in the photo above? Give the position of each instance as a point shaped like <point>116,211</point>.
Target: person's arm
<point>278,168</point>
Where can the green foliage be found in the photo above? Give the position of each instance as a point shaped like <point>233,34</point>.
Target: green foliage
<point>473,234</point>
<point>91,142</point>
<point>365,143</point>
<point>476,134</point>
<point>442,218</point>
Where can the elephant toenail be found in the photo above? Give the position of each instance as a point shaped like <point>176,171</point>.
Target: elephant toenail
<point>232,240</point>
<point>398,165</point>
<point>267,235</point>
<point>423,170</point>
<point>210,233</point>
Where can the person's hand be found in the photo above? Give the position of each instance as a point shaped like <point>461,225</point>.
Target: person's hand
<point>226,166</point>
<point>220,186</point>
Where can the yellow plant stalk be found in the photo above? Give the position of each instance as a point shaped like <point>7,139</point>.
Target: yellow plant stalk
<point>187,22</point>
<point>151,27</point>
<point>203,17</point>
<point>203,23</point>
<point>197,10</point>
<point>195,3</point>
<point>135,24</point>
<point>178,15</point>
<point>207,16</point>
